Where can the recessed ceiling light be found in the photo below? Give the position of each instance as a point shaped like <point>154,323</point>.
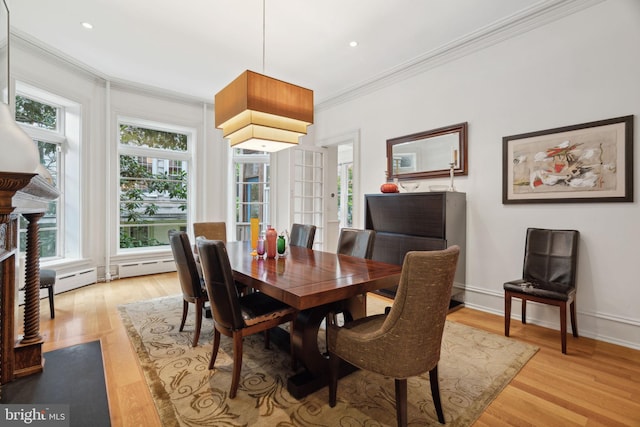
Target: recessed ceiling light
<point>353,43</point>
<point>87,25</point>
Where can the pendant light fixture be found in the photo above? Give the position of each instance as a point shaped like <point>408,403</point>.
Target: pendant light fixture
<point>260,113</point>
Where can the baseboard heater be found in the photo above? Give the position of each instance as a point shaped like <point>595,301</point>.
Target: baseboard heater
<point>132,269</point>
<point>77,279</point>
<point>68,281</point>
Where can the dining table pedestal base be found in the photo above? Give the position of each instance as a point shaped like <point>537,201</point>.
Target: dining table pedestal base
<point>305,336</point>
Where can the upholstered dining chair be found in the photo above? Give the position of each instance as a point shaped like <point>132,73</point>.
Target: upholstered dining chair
<point>48,282</point>
<point>234,315</point>
<point>193,291</point>
<point>210,230</point>
<point>302,235</point>
<point>406,341</point>
<point>548,277</point>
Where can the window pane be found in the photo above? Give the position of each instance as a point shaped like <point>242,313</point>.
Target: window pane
<point>36,113</point>
<point>151,138</point>
<point>49,158</point>
<point>151,203</point>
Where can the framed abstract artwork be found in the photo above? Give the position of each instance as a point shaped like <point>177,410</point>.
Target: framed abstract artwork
<point>589,162</point>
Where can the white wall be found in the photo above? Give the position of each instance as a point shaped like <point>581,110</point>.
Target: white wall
<point>582,68</point>
<point>97,96</point>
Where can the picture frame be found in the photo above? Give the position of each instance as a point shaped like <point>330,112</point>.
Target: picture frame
<point>584,163</point>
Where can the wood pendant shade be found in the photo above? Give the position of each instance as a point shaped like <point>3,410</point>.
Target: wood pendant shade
<point>261,113</point>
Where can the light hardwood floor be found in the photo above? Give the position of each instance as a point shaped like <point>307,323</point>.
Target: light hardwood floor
<point>595,384</point>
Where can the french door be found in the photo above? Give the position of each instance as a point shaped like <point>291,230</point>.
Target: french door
<point>308,190</point>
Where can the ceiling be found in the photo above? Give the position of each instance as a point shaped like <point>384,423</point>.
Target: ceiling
<point>196,47</point>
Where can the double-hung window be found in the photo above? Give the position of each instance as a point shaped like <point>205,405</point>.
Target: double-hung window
<point>154,172</point>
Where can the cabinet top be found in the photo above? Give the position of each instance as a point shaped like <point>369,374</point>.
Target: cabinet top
<point>412,214</point>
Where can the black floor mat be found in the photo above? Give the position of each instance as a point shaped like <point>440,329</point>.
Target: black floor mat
<point>72,376</point>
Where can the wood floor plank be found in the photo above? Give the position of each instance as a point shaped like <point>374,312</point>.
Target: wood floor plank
<point>595,384</point>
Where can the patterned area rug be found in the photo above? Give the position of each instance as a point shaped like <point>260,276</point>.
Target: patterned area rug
<point>474,367</point>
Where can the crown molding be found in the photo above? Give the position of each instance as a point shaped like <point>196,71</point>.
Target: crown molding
<point>536,16</point>
<point>82,68</point>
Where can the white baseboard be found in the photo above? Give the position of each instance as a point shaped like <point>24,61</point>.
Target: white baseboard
<point>591,324</point>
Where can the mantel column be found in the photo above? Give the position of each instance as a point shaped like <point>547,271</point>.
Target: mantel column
<point>32,281</point>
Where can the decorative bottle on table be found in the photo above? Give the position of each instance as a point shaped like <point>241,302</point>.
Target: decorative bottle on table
<point>282,245</point>
<point>261,247</point>
<point>272,236</point>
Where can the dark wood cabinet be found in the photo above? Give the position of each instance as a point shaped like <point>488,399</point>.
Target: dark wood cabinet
<point>416,222</point>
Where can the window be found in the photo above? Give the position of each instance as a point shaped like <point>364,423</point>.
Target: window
<point>43,121</point>
<point>154,175</point>
<point>252,179</point>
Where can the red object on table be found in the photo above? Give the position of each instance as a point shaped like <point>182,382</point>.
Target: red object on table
<point>389,187</point>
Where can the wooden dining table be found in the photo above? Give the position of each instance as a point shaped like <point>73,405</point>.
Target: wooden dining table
<point>316,283</point>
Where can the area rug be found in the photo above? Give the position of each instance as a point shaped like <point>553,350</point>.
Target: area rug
<point>474,367</point>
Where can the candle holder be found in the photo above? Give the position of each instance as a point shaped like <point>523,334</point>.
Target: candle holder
<point>451,186</point>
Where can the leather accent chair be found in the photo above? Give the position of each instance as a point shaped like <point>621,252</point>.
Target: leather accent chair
<point>234,315</point>
<point>548,276</point>
<point>405,342</point>
<point>302,235</point>
<point>193,291</point>
<point>210,230</point>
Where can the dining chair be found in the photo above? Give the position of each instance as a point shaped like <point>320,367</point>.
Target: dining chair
<point>302,235</point>
<point>234,315</point>
<point>354,242</point>
<point>193,291</point>
<point>210,230</point>
<point>548,277</point>
<point>404,342</point>
<point>48,282</point>
<point>357,243</point>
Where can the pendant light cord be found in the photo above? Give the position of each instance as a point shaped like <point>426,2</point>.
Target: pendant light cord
<point>263,34</point>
